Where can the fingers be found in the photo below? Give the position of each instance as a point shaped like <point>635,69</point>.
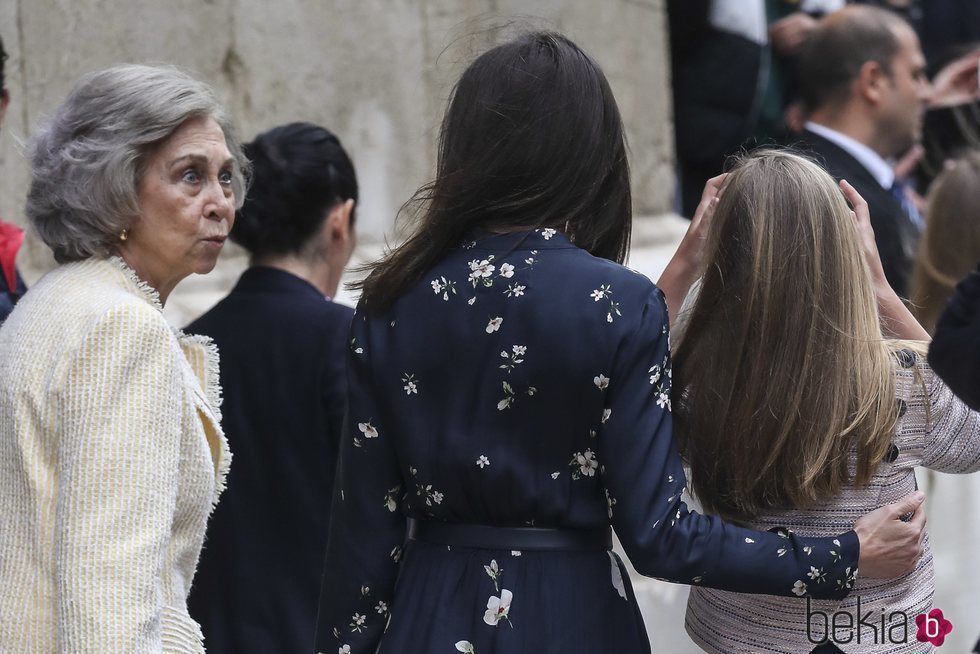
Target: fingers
<point>910,504</point>
<point>709,198</point>
<point>853,197</point>
<point>714,186</point>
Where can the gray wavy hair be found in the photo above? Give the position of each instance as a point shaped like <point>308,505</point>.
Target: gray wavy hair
<point>87,159</point>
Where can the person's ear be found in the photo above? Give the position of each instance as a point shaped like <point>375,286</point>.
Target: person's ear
<point>339,222</point>
<point>872,80</point>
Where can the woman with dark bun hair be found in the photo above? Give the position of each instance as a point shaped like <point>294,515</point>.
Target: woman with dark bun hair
<point>282,362</point>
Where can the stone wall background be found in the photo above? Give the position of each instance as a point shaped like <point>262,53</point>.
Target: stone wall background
<point>376,72</point>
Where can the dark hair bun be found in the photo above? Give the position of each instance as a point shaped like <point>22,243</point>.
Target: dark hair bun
<point>299,171</point>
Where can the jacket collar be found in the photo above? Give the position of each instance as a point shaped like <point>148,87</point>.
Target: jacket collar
<point>266,279</point>
<point>139,287</point>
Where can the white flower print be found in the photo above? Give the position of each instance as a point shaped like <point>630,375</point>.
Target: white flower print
<point>481,271</point>
<point>808,549</point>
<point>529,261</point>
<point>749,541</point>
<point>817,574</point>
<point>368,430</point>
<point>654,373</point>
<point>513,358</point>
<point>515,290</point>
<point>835,555</point>
<point>471,300</point>
<point>381,608</point>
<point>354,348</point>
<point>601,381</point>
<point>617,576</point>
<point>605,415</point>
<point>498,608</point>
<point>515,552</point>
<point>508,397</point>
<point>494,324</point>
<point>848,581</point>
<point>344,649</point>
<point>506,270</point>
<point>547,233</point>
<point>431,496</point>
<point>611,501</point>
<point>531,390</point>
<point>604,292</point>
<point>357,622</point>
<point>443,286</point>
<point>583,464</point>
<point>494,571</point>
<point>411,384</point>
<point>396,554</point>
<point>799,588</point>
<point>483,461</point>
<point>391,498</point>
<point>663,399</point>
<point>555,475</point>
<point>465,646</point>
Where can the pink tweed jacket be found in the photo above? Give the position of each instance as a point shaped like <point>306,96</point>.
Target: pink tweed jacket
<point>935,430</point>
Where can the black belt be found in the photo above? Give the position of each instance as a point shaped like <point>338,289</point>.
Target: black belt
<point>509,538</point>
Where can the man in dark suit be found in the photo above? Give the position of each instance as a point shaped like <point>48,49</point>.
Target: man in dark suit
<point>283,347</point>
<point>864,87</point>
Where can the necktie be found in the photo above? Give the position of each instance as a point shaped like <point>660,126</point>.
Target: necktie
<point>908,206</point>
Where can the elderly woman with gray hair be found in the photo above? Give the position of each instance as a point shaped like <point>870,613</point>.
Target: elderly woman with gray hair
<point>111,451</point>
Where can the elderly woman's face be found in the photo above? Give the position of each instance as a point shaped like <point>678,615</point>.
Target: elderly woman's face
<point>187,206</point>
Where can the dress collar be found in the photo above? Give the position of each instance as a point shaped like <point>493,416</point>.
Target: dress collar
<point>543,238</point>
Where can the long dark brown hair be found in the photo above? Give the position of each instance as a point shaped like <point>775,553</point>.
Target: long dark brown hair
<point>532,138</point>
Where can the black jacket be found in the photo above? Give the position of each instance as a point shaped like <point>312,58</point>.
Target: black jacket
<point>895,234</point>
<point>283,376</point>
<point>955,350</point>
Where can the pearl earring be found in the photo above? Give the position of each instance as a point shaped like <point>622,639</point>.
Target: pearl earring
<point>124,235</point>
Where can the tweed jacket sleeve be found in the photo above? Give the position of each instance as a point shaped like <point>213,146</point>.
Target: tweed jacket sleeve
<point>120,411</point>
<point>952,437</point>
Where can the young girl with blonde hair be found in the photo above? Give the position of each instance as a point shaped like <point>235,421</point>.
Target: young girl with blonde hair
<point>804,400</point>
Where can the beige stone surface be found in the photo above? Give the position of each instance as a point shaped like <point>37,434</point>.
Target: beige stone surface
<point>377,72</point>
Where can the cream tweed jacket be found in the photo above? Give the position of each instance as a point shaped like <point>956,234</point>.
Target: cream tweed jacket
<point>111,460</point>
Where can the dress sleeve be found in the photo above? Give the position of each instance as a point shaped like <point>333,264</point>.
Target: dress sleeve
<point>644,478</point>
<point>367,527</point>
<point>952,435</point>
<point>120,416</point>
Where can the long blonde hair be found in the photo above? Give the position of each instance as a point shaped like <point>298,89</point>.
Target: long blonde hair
<point>783,367</point>
<point>950,244</point>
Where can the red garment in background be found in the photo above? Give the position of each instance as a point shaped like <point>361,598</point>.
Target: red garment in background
<point>11,237</point>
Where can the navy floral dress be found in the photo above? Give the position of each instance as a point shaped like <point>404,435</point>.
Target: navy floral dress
<point>525,382</point>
